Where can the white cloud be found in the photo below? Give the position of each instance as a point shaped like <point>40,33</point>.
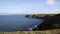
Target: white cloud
<point>51,2</point>
<point>57,11</point>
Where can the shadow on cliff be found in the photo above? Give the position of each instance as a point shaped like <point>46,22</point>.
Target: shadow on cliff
<point>50,22</point>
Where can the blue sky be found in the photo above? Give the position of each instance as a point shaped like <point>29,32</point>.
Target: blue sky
<point>29,6</point>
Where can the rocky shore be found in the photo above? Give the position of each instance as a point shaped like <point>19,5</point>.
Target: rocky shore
<point>51,21</point>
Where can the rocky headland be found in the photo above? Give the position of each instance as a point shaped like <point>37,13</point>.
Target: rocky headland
<point>51,21</point>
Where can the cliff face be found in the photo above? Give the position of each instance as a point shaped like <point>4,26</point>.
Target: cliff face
<point>50,22</point>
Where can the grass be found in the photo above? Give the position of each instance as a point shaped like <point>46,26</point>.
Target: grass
<point>55,31</point>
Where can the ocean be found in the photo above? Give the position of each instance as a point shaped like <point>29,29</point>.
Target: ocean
<point>18,23</point>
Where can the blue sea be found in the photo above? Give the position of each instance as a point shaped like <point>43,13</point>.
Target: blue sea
<point>18,23</point>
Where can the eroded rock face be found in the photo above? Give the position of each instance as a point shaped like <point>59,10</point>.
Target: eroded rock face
<point>50,22</point>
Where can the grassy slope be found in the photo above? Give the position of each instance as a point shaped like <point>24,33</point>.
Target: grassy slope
<point>55,31</point>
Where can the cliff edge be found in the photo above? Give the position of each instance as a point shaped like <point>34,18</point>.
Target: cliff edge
<point>50,22</point>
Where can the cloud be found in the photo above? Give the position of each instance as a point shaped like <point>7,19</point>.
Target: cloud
<point>56,11</point>
<point>51,2</point>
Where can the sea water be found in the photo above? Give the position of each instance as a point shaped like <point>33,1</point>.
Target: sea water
<point>18,23</point>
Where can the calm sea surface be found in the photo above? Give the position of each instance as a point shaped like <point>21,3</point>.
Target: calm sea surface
<point>18,23</point>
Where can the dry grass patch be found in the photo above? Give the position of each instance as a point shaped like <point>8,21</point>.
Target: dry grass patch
<point>55,31</point>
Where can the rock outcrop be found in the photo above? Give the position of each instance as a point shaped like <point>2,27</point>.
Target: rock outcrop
<point>50,22</point>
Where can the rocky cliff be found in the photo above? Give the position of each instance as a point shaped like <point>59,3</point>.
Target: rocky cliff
<point>50,22</point>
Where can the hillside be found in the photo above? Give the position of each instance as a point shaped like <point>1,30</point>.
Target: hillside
<point>50,22</point>
<point>39,15</point>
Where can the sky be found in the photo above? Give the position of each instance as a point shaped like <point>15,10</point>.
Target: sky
<point>29,7</point>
